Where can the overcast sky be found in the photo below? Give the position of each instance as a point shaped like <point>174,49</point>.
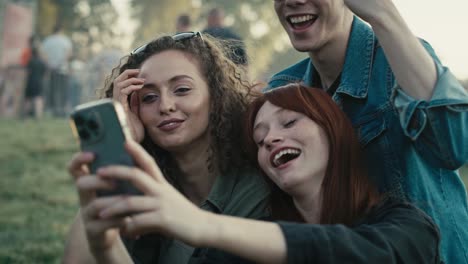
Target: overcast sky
<point>444,25</point>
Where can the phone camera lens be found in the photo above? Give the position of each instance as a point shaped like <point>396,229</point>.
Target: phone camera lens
<point>79,120</point>
<point>92,124</point>
<point>84,134</point>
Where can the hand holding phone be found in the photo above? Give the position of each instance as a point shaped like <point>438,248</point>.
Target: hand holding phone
<point>101,128</point>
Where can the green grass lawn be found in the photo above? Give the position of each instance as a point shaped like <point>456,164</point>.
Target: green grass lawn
<point>37,196</point>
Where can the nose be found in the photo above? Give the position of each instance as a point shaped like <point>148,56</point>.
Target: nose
<point>272,140</point>
<point>166,104</point>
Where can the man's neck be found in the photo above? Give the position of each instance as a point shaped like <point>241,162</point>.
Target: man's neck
<point>329,59</point>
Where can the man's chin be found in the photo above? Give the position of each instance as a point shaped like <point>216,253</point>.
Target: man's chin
<point>302,47</point>
<point>303,44</point>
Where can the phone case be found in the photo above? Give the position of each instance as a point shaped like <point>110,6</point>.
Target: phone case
<point>100,127</point>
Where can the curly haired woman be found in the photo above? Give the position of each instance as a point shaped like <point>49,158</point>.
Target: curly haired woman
<point>184,100</point>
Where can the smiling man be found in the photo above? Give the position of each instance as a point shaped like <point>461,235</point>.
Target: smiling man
<point>409,110</point>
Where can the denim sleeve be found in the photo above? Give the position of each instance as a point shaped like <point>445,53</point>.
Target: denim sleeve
<point>438,127</point>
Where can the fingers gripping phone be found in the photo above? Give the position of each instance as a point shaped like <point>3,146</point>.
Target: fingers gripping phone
<point>100,127</point>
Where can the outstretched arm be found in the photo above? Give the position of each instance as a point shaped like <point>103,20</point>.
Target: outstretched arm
<point>393,233</point>
<point>162,209</point>
<point>259,241</point>
<point>396,233</point>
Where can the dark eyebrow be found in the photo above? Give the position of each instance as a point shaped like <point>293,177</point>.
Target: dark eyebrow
<point>173,79</point>
<point>179,77</point>
<point>149,86</point>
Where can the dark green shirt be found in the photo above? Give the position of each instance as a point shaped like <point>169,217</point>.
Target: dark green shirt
<point>241,192</point>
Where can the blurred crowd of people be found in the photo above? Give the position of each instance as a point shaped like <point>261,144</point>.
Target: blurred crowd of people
<point>54,76</point>
<point>215,26</point>
<point>52,56</point>
<point>51,79</point>
<point>56,80</point>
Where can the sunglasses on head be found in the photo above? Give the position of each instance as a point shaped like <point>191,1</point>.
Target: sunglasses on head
<point>177,37</point>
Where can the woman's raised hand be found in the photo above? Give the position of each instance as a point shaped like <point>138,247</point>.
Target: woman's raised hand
<point>125,86</point>
<point>162,209</point>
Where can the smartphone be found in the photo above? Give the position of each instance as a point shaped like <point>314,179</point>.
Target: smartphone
<point>100,127</point>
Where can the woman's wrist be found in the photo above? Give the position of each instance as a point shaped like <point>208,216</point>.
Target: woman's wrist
<point>113,254</point>
<point>206,231</point>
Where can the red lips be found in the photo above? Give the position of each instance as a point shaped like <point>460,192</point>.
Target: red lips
<point>170,124</point>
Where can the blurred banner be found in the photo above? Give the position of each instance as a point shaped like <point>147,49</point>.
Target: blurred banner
<point>17,27</point>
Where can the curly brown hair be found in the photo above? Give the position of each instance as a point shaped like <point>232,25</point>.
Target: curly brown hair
<point>229,96</point>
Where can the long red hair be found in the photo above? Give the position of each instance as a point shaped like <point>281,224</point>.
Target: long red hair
<point>347,193</point>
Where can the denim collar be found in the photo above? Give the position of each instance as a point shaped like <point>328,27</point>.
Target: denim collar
<point>355,76</point>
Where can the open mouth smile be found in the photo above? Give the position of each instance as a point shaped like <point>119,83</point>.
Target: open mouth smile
<point>283,156</point>
<point>299,22</point>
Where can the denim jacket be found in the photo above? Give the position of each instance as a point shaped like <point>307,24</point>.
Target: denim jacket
<point>413,147</point>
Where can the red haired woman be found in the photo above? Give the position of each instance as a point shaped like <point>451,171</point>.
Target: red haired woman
<point>306,147</point>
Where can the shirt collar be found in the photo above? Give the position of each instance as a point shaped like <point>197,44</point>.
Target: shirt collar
<point>220,193</point>
<point>355,75</point>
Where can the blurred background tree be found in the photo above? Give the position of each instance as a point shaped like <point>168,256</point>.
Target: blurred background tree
<point>89,23</point>
<point>92,26</point>
<point>255,21</point>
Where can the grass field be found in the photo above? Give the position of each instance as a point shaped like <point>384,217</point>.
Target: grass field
<point>37,197</point>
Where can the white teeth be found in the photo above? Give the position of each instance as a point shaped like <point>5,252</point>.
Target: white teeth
<point>276,161</point>
<point>300,19</point>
